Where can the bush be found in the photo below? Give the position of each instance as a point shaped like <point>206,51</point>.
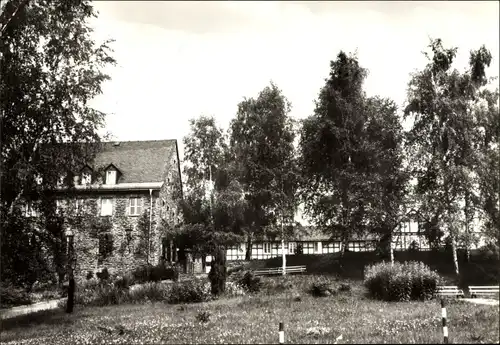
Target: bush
<point>235,269</point>
<point>247,280</point>
<point>321,288</point>
<point>489,252</point>
<point>103,275</point>
<point>149,292</point>
<point>11,296</point>
<point>149,273</point>
<point>123,282</point>
<point>233,289</point>
<point>401,282</point>
<point>203,316</point>
<point>345,288</point>
<point>189,291</point>
<point>100,294</point>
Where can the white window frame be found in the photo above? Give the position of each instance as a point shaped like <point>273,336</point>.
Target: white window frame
<point>111,176</point>
<point>79,205</point>
<point>59,206</point>
<point>30,211</point>
<point>316,247</point>
<point>60,181</point>
<point>292,247</point>
<point>86,178</point>
<point>108,211</point>
<point>137,206</point>
<point>267,248</point>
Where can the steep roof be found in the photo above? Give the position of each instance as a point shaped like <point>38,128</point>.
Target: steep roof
<point>314,233</point>
<point>138,161</point>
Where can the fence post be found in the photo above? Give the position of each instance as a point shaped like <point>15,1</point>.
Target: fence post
<point>445,327</point>
<point>281,334</point>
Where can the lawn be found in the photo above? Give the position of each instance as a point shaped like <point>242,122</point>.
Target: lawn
<point>255,319</point>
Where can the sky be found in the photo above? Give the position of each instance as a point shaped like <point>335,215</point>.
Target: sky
<point>179,60</point>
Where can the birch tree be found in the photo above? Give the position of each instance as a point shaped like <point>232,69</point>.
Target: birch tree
<point>445,136</point>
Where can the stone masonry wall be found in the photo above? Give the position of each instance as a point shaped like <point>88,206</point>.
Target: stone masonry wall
<point>124,255</point>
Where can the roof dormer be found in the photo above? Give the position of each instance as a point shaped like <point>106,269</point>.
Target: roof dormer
<point>86,175</point>
<point>111,175</point>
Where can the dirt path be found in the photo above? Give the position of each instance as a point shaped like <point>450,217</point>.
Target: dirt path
<point>28,309</point>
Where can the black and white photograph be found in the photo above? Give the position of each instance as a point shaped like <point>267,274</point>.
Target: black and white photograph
<point>249,172</point>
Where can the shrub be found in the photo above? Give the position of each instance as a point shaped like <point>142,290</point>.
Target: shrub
<point>233,289</point>
<point>123,282</point>
<point>345,288</point>
<point>103,275</point>
<point>235,269</point>
<point>11,296</point>
<point>149,292</point>
<point>203,316</point>
<point>149,273</point>
<point>100,294</point>
<point>247,280</point>
<point>321,288</point>
<point>189,291</point>
<point>401,281</point>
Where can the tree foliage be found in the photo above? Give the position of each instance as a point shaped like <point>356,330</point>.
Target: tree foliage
<point>50,69</point>
<point>446,137</point>
<point>350,156</point>
<point>262,141</point>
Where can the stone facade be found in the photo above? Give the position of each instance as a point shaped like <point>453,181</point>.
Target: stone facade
<point>122,245</point>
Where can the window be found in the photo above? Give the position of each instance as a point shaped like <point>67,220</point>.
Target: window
<point>30,210</point>
<point>59,206</point>
<point>79,205</point>
<point>106,207</point>
<point>60,181</point>
<point>111,177</point>
<point>135,206</point>
<point>316,247</point>
<point>267,247</point>
<point>291,247</point>
<point>86,178</point>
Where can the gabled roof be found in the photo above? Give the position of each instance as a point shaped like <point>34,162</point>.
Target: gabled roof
<point>111,165</point>
<point>137,161</point>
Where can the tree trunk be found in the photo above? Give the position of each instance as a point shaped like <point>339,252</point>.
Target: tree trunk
<point>343,245</point>
<point>391,249</point>
<point>248,253</point>
<point>217,274</point>
<point>203,262</point>
<point>345,230</point>
<point>467,224</point>
<point>455,258</point>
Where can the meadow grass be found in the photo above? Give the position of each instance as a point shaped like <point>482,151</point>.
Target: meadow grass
<point>255,319</point>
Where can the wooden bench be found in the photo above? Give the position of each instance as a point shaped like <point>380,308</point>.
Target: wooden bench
<point>449,291</point>
<point>483,291</point>
<point>279,270</point>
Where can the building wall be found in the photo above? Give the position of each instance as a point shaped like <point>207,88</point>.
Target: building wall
<point>125,255</point>
<point>168,211</point>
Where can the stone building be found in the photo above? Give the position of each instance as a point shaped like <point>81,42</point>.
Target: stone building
<point>126,194</point>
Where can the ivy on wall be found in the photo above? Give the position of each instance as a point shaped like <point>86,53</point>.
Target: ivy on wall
<point>144,234</point>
